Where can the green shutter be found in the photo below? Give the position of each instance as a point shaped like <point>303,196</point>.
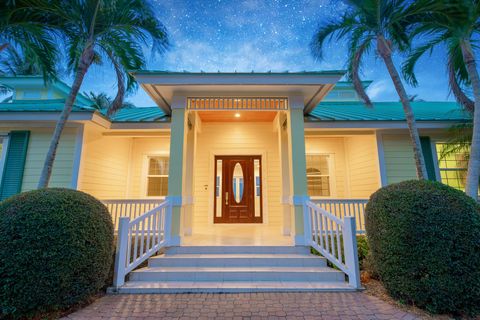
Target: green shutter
<point>428,156</point>
<point>14,164</point>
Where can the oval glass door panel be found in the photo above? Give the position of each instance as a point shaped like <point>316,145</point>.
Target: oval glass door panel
<point>238,183</point>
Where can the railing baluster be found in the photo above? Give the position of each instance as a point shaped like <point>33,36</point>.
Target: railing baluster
<point>339,251</point>
<point>135,248</point>
<point>129,246</point>
<point>320,227</point>
<point>325,226</point>
<point>331,236</point>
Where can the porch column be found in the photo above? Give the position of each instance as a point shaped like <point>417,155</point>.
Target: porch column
<point>175,173</point>
<point>286,173</point>
<point>299,166</point>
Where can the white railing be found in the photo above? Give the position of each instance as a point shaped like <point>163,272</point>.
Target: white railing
<point>131,208</point>
<point>141,238</point>
<point>334,238</point>
<point>342,208</point>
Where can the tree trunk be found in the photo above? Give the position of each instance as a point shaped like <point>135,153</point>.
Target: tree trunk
<point>457,91</point>
<point>473,172</point>
<point>84,64</point>
<point>3,46</point>
<point>385,52</point>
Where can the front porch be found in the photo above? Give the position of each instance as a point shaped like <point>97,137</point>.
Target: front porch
<point>130,171</point>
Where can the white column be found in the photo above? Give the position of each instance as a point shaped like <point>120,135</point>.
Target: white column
<point>296,127</point>
<point>285,173</point>
<point>176,177</point>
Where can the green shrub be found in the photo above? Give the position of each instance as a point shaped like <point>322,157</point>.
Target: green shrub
<point>55,250</point>
<point>363,249</point>
<point>424,239</point>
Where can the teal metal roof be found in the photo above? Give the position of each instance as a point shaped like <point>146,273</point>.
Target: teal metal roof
<point>325,111</point>
<point>51,105</point>
<point>147,114</point>
<point>387,111</point>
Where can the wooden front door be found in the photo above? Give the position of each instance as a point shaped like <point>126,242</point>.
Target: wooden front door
<point>238,190</point>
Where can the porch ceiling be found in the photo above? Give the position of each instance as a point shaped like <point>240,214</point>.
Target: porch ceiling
<point>162,85</point>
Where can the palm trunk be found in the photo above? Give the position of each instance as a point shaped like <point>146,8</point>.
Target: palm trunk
<point>84,64</point>
<point>473,172</point>
<point>3,46</point>
<point>386,54</point>
<point>457,91</point>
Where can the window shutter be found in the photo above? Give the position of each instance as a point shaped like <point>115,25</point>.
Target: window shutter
<point>14,164</point>
<point>428,156</point>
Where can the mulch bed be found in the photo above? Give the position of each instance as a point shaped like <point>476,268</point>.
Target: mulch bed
<point>375,288</point>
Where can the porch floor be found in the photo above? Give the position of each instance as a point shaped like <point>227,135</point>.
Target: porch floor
<point>237,235</point>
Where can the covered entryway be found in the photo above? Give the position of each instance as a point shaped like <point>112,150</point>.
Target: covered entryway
<point>238,189</point>
<point>245,120</point>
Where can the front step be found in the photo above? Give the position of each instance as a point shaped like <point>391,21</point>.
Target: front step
<point>237,274</point>
<point>238,250</point>
<point>237,260</point>
<point>139,287</point>
<point>234,269</point>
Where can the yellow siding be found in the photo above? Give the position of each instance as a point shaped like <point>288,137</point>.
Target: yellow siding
<point>114,167</point>
<point>241,139</point>
<point>37,151</point>
<point>362,165</point>
<point>104,168</point>
<point>335,147</point>
<point>399,161</point>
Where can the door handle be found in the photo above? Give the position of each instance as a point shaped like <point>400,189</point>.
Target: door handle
<point>226,198</point>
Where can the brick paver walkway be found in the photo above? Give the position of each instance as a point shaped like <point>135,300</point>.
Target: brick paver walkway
<point>312,305</point>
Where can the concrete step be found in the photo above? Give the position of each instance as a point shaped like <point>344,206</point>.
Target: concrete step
<point>238,250</point>
<point>237,274</point>
<point>237,260</point>
<point>137,287</point>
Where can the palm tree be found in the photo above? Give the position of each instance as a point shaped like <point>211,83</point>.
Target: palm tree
<point>103,31</point>
<point>24,29</point>
<point>458,78</point>
<point>381,25</point>
<point>103,102</point>
<point>456,24</point>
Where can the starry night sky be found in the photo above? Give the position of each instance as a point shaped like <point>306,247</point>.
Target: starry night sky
<point>262,35</point>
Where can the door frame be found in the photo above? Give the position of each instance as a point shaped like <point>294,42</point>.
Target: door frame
<point>261,219</point>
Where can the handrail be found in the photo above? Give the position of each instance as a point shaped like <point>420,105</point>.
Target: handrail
<point>345,207</point>
<point>333,238</point>
<point>141,238</point>
<point>131,208</point>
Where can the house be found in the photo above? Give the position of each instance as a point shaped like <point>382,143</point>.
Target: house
<point>241,166</point>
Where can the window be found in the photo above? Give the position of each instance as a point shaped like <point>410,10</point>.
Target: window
<point>157,176</point>
<point>452,165</point>
<point>318,175</point>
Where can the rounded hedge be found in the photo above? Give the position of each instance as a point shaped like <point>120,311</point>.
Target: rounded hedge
<point>424,239</point>
<point>55,250</point>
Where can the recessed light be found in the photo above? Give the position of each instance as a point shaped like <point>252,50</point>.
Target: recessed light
<point>237,115</point>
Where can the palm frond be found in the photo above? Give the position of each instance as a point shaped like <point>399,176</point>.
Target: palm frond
<point>332,30</point>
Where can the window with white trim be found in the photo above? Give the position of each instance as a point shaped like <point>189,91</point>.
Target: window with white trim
<point>319,175</point>
<point>452,165</point>
<point>157,176</point>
